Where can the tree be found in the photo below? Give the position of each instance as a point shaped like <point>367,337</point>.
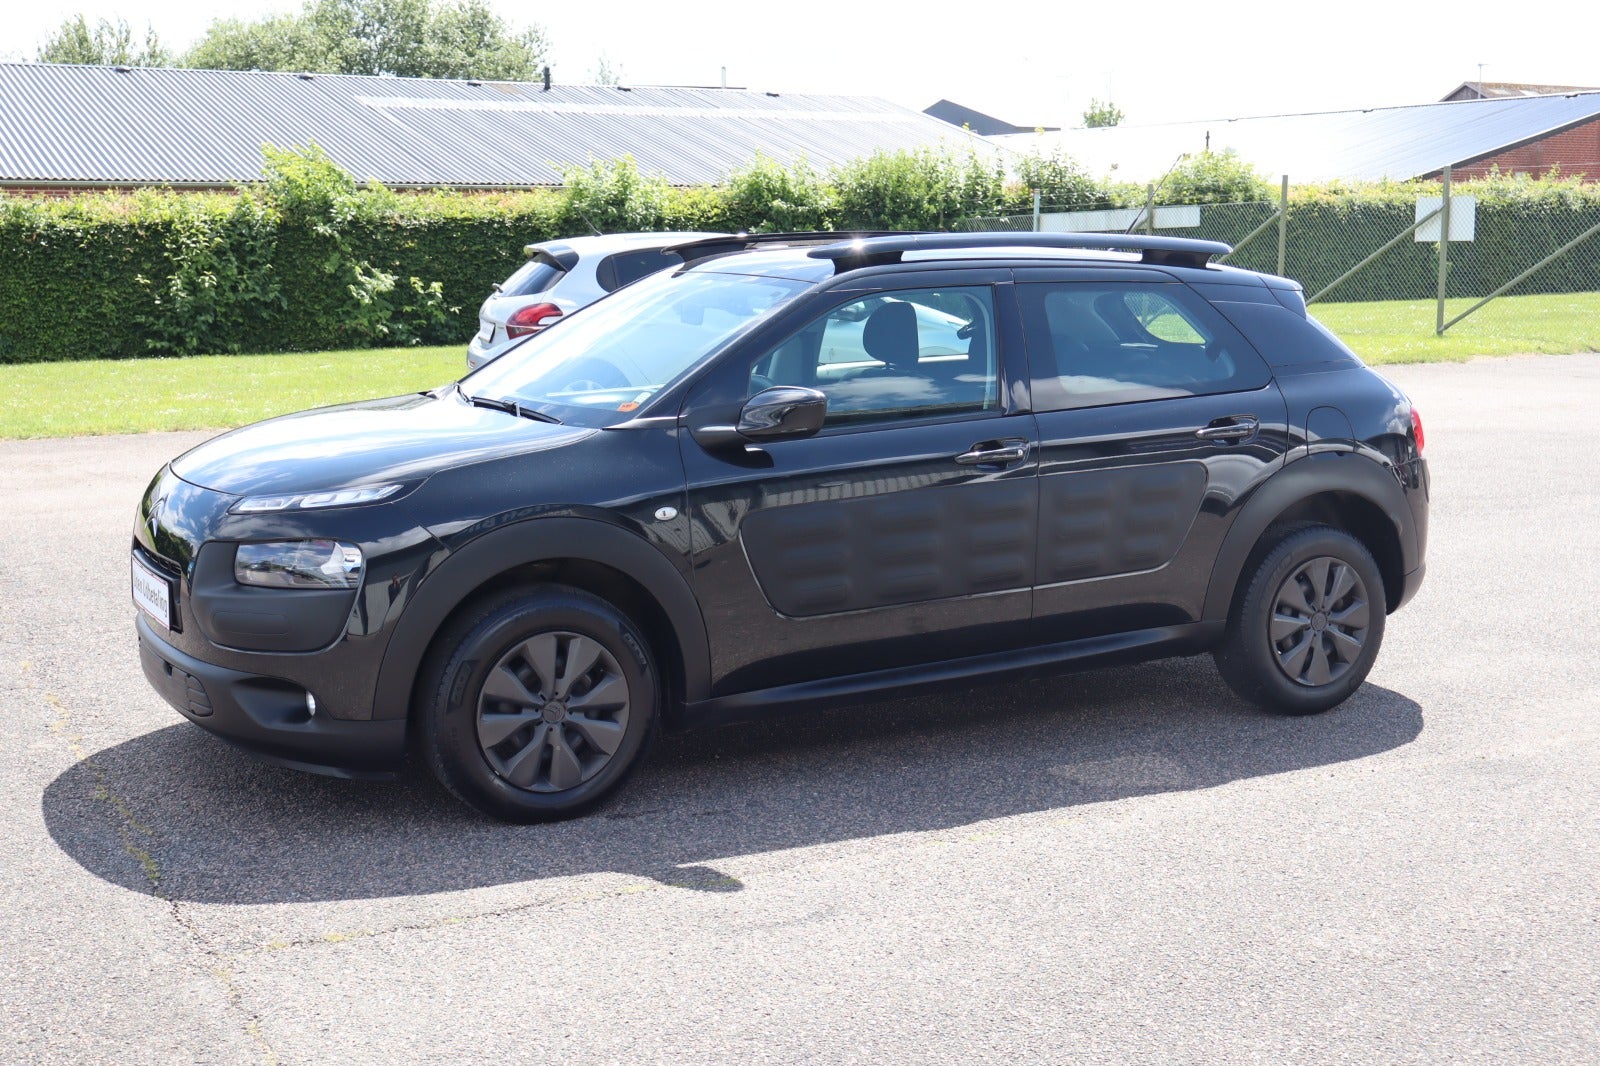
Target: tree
<point>606,72</point>
<point>1102,113</point>
<point>107,43</point>
<point>277,42</point>
<point>407,38</point>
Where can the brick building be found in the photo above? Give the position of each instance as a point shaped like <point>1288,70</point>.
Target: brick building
<point>1573,150</point>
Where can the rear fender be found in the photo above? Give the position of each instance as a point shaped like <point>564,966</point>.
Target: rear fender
<point>1296,483</point>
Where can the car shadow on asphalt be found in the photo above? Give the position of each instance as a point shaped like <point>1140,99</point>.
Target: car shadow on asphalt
<point>177,813</point>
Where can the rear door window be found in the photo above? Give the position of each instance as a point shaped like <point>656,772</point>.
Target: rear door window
<point>1097,343</point>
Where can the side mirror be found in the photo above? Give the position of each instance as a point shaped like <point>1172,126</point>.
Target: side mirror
<point>783,412</point>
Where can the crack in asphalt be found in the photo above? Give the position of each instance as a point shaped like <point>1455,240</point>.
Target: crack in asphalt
<point>721,883</point>
<point>131,831</point>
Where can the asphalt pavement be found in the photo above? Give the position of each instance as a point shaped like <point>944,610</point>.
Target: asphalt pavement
<point>1121,866</point>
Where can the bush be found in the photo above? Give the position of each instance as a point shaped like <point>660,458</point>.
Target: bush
<point>768,197</point>
<point>613,198</point>
<point>1213,178</point>
<point>924,189</point>
<point>219,278</point>
<point>1060,180</point>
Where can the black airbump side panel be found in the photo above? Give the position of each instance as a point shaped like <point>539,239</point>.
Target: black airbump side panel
<point>1103,522</point>
<point>902,547</point>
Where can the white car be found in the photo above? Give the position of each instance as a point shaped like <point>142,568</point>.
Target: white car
<point>562,276</point>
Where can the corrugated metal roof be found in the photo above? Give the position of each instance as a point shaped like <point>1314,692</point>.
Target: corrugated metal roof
<point>1384,142</point>
<point>106,125</point>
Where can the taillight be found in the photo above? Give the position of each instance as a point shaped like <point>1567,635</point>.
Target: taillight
<point>531,319</point>
<point>1416,428</point>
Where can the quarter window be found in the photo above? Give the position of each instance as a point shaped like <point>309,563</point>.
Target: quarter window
<point>1092,344</point>
<point>625,268</point>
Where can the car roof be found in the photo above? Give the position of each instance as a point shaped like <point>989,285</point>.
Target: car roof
<point>606,243</point>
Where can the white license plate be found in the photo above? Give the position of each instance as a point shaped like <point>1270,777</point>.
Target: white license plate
<point>152,593</point>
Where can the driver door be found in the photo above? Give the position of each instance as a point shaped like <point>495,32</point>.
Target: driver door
<point>903,531</point>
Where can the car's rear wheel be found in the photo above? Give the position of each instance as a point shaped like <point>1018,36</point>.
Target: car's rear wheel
<point>538,704</point>
<point>1307,624</point>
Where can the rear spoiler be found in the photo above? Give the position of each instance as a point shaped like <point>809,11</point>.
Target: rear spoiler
<point>561,256</point>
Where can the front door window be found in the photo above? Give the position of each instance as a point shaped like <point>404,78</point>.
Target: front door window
<point>912,353</point>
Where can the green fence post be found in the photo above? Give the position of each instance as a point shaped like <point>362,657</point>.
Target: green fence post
<point>1283,226</point>
<point>1444,251</point>
<point>1149,208</point>
<point>1036,210</point>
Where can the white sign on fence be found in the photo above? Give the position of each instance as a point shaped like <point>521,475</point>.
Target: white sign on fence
<point>1463,218</point>
<point>1119,220</point>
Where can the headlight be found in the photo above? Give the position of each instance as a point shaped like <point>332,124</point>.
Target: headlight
<point>300,501</point>
<point>299,564</point>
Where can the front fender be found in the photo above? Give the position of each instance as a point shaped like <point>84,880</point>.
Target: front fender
<point>468,568</point>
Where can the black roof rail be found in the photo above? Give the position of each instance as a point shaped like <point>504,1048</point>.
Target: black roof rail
<point>706,247</point>
<point>879,251</point>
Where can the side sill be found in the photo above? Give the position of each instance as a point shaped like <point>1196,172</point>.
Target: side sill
<point>1043,660</point>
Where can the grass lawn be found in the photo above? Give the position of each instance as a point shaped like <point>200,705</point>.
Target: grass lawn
<point>221,391</point>
<point>208,391</point>
<point>1399,331</point>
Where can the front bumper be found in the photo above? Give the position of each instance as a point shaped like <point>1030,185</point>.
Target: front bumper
<point>268,717</point>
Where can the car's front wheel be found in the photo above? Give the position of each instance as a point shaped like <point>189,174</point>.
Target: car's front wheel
<point>1306,626</point>
<point>538,703</point>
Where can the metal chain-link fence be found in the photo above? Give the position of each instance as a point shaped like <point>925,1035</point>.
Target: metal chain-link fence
<point>1520,273</point>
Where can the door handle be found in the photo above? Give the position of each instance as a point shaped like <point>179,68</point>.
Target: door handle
<point>1234,427</point>
<point>994,453</point>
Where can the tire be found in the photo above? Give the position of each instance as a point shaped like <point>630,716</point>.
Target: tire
<point>1291,647</point>
<point>525,693</point>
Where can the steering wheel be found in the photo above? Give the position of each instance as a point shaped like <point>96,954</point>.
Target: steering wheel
<point>593,375</point>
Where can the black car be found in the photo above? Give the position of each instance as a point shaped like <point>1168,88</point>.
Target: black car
<point>838,468</point>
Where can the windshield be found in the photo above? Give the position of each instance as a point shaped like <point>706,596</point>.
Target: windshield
<point>618,353</point>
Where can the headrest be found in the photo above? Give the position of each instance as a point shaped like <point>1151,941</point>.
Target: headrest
<point>890,335</point>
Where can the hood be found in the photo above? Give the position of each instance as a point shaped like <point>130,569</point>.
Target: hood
<point>403,438</point>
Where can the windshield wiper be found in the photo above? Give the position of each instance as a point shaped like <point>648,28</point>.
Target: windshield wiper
<point>510,407</point>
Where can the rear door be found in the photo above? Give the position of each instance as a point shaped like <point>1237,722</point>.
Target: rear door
<point>902,533</point>
<point>1156,420</point>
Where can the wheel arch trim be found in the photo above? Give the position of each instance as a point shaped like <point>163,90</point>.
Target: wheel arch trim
<point>1298,482</point>
<point>475,564</point>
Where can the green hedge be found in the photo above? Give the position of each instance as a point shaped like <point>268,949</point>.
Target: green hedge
<point>310,260</point>
<point>316,265</point>
<point>1519,222</point>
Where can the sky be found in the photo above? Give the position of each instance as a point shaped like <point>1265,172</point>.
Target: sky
<point>1035,64</point>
